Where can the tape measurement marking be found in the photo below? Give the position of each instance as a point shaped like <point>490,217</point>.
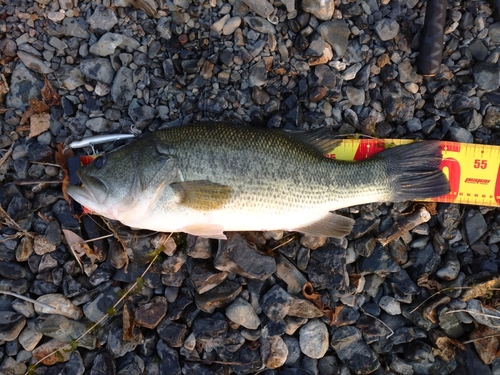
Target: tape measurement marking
<point>473,170</point>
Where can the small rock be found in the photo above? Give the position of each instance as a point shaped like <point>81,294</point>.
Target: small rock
<point>390,305</point>
<point>387,29</point>
<point>258,74</point>
<point>231,25</point>
<point>486,75</point>
<point>238,257</point>
<point>11,325</point>
<point>23,87</point>
<point>98,69</point>
<point>475,226</point>
<point>205,277</point>
<point>335,33</point>
<point>492,117</point>
<point>380,262</point>
<point>321,9</point>
<point>261,25</point>
<point>29,338</point>
<point>450,268</point>
<point>326,267</point>
<point>302,308</point>
<point>276,303</point>
<point>314,338</point>
<point>274,351</point>
<point>353,351</point>
<point>34,62</point>
<point>106,45</point>
<point>59,305</point>
<point>355,95</point>
<point>198,247</point>
<point>123,89</point>
<point>242,313</point>
<point>98,307</point>
<point>150,314</point>
<point>65,330</point>
<point>287,272</point>
<point>103,19</point>
<point>172,333</point>
<point>222,294</point>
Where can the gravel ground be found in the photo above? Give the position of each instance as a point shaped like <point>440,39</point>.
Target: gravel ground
<point>270,303</point>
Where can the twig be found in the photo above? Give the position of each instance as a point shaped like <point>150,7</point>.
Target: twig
<point>480,338</point>
<point>12,224</point>
<point>473,312</point>
<point>34,182</point>
<point>20,296</point>
<point>404,225</point>
<point>374,317</point>
<point>132,287</point>
<point>439,292</point>
<point>99,238</point>
<point>7,154</point>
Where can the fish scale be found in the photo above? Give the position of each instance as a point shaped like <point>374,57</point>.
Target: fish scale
<point>208,178</point>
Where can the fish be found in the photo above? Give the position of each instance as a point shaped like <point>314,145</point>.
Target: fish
<point>207,178</point>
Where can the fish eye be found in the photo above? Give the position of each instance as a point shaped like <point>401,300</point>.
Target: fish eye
<point>100,161</point>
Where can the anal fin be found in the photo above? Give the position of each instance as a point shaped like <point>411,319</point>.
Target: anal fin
<point>332,225</point>
<point>206,230</point>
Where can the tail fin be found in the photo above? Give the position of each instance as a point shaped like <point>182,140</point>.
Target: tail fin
<point>414,170</point>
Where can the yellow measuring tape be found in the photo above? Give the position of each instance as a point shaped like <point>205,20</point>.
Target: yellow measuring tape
<point>472,169</point>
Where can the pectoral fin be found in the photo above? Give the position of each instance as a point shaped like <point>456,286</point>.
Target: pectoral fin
<point>206,230</point>
<point>332,225</point>
<point>201,195</point>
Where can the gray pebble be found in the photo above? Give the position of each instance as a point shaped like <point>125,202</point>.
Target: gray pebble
<point>336,33</point>
<point>313,338</point>
<point>242,313</point>
<point>387,29</point>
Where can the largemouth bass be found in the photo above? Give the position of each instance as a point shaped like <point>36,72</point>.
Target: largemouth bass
<point>208,178</point>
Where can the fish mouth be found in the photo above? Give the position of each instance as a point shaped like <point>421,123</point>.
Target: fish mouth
<point>90,192</point>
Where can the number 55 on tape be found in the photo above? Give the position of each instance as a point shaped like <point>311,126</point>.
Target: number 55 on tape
<point>472,169</point>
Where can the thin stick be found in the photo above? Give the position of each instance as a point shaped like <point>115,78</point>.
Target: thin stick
<point>132,287</point>
<point>473,312</point>
<point>439,292</point>
<point>99,238</point>
<point>48,164</point>
<point>374,317</point>
<point>41,304</point>
<point>34,182</point>
<point>480,338</point>
<point>7,154</point>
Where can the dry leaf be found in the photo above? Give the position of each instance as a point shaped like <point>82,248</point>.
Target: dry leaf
<point>314,297</point>
<point>481,290</point>
<point>148,6</point>
<point>446,347</point>
<point>424,281</point>
<point>46,349</point>
<point>38,106</point>
<point>486,341</point>
<point>430,311</point>
<point>81,248</point>
<point>61,157</point>
<point>4,87</point>
<point>49,95</point>
<point>39,123</point>
<point>128,324</point>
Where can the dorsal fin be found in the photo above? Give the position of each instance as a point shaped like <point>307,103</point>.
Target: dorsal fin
<point>321,139</point>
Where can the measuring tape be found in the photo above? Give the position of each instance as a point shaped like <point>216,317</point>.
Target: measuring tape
<point>473,170</point>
